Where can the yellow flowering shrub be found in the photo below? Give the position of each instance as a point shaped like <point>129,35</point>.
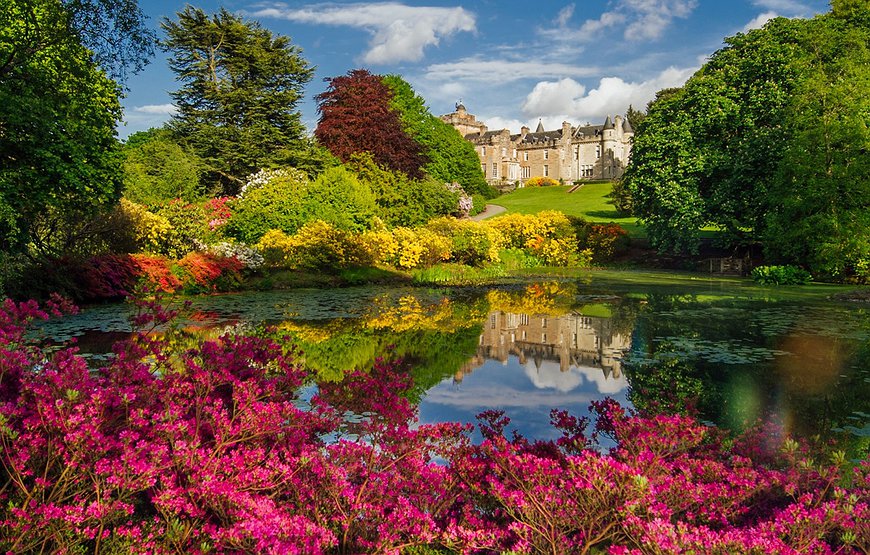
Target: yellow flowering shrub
<point>151,232</point>
<point>419,248</point>
<point>276,247</point>
<point>471,242</point>
<point>548,235</point>
<point>379,245</point>
<point>541,182</point>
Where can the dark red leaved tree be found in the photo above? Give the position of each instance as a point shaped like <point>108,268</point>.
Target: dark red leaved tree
<point>355,116</point>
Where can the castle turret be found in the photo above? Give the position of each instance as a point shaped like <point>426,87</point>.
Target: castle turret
<point>540,128</point>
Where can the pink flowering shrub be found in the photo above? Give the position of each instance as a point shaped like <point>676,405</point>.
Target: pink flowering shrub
<point>213,449</point>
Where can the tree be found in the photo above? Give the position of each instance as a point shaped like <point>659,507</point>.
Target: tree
<point>237,108</point>
<point>356,116</point>
<point>707,153</point>
<point>58,111</point>
<point>450,157</point>
<point>157,169</point>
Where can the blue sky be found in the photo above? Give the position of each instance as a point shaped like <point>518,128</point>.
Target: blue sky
<point>511,62</point>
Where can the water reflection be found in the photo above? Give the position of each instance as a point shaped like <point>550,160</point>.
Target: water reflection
<point>733,356</point>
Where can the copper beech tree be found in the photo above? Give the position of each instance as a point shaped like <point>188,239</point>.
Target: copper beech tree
<point>355,116</point>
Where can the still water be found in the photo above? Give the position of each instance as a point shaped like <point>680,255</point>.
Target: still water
<point>734,352</point>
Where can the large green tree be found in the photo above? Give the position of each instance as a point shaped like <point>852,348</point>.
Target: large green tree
<point>237,106</point>
<point>157,169</point>
<point>58,111</point>
<point>449,156</point>
<point>768,142</point>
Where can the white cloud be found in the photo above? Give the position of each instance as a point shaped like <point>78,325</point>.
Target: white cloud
<point>791,7</point>
<point>399,32</point>
<point>643,20</point>
<point>565,15</point>
<point>503,71</point>
<point>759,21</point>
<point>156,109</point>
<point>567,99</point>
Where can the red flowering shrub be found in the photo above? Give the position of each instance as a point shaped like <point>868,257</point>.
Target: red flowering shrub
<point>155,272</point>
<point>206,272</point>
<point>212,449</point>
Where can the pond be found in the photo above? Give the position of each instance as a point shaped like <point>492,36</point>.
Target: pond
<point>734,352</point>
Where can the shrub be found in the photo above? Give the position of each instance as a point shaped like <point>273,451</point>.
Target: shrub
<point>780,275</point>
<point>471,243</point>
<point>316,246</point>
<point>273,199</point>
<point>604,241</point>
<point>418,248</point>
<point>211,448</point>
<point>155,272</point>
<point>204,272</point>
<point>541,182</point>
<point>547,235</point>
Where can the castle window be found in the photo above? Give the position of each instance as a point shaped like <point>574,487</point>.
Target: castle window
<point>495,169</point>
<point>527,172</point>
<point>546,154</point>
<point>546,170</point>
<point>483,151</point>
<point>597,151</point>
<point>503,152</point>
<point>525,156</point>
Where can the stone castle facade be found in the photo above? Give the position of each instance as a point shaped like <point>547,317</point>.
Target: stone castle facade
<point>568,154</point>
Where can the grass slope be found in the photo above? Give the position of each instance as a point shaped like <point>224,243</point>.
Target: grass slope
<point>590,202</point>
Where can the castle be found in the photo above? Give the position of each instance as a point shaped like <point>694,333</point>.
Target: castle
<point>568,154</point>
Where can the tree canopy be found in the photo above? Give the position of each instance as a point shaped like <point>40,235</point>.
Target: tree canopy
<point>450,157</point>
<point>237,107</point>
<point>356,116</point>
<point>768,142</point>
<point>58,109</point>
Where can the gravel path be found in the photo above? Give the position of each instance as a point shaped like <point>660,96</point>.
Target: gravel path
<point>490,210</point>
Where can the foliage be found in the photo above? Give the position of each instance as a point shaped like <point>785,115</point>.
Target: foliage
<point>157,169</point>
<point>766,142</point>
<point>780,275</point>
<point>603,240</point>
<point>269,200</point>
<point>472,243</point>
<point>317,245</point>
<point>59,112</point>
<point>450,158</point>
<point>237,107</point>
<point>403,201</point>
<point>205,273</point>
<point>213,448</point>
<point>356,117</point>
<point>338,197</point>
<point>113,31</point>
<point>548,235</point>
<point>541,182</point>
<point>417,248</point>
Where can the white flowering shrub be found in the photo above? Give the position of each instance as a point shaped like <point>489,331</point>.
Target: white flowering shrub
<point>249,256</point>
<point>264,176</point>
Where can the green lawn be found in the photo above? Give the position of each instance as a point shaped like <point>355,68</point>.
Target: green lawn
<point>589,202</point>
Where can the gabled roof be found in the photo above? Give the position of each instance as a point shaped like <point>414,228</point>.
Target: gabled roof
<point>539,136</point>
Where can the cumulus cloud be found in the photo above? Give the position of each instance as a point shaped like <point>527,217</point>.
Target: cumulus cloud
<point>566,99</point>
<point>641,19</point>
<point>759,21</point>
<point>399,32</point>
<point>503,71</point>
<point>156,109</point>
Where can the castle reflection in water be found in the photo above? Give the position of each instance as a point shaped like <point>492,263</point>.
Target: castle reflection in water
<point>571,340</point>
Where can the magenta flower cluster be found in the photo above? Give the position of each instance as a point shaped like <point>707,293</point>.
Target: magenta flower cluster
<point>212,450</point>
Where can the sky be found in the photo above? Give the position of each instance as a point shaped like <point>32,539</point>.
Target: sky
<point>510,62</point>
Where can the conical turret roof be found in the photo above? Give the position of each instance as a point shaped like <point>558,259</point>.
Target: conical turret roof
<point>608,123</point>
<point>626,126</point>
<point>540,128</point>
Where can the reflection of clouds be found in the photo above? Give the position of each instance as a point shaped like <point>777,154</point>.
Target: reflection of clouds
<point>495,395</point>
<point>550,376</point>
